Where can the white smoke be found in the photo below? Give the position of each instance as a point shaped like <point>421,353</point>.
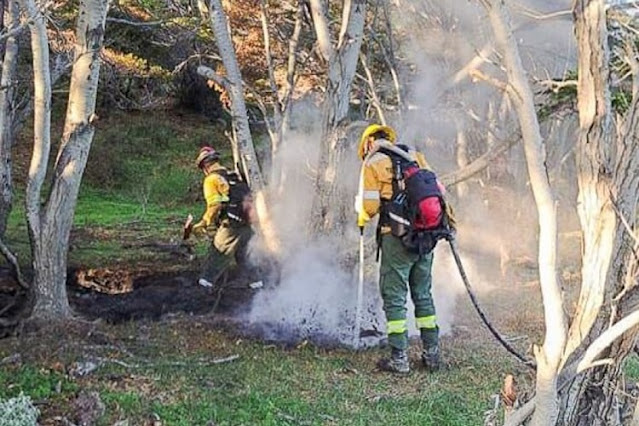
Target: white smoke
<point>312,299</point>
<point>316,293</point>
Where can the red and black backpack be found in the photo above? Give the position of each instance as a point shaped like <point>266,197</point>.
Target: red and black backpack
<point>416,213</point>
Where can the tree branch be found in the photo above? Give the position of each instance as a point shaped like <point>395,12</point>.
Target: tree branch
<point>623,220</point>
<point>292,58</point>
<point>262,107</point>
<point>606,339</point>
<point>322,30</point>
<point>522,414</point>
<point>587,361</point>
<point>267,52</point>
<point>557,85</point>
<point>207,72</point>
<point>42,115</point>
<point>476,74</point>
<point>13,260</point>
<point>371,86</point>
<point>389,58</point>
<point>347,6</point>
<point>481,162</point>
<point>136,23</point>
<point>470,66</point>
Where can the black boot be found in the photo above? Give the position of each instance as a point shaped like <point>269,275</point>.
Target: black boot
<point>430,354</point>
<point>397,363</point>
<point>430,358</point>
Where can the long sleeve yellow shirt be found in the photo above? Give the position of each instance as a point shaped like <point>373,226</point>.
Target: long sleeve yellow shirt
<point>216,192</point>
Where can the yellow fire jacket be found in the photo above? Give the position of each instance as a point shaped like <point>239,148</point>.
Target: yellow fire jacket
<point>377,184</point>
<point>216,192</point>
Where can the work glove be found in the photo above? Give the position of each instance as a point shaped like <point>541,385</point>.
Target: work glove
<point>362,216</point>
<point>199,228</point>
<point>362,219</point>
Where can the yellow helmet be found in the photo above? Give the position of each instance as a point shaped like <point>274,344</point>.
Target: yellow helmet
<point>391,136</point>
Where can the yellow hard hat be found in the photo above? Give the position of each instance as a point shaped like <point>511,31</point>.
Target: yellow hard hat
<point>371,130</point>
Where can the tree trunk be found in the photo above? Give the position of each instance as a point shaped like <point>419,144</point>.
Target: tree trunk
<point>7,98</point>
<point>461,155</point>
<point>608,190</point>
<point>51,236</point>
<point>322,31</point>
<point>341,72</point>
<point>234,85</point>
<point>50,298</point>
<point>594,165</point>
<point>549,355</point>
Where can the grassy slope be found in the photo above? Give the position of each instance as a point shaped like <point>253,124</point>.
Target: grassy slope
<point>139,184</point>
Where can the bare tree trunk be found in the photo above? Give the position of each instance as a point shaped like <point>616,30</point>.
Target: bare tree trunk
<point>322,31</point>
<point>234,85</point>
<point>608,196</point>
<point>51,298</point>
<point>549,355</point>
<point>596,127</point>
<point>7,98</point>
<point>341,72</point>
<point>461,155</point>
<point>50,227</point>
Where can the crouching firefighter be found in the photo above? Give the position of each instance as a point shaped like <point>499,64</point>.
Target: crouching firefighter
<point>227,218</point>
<point>396,183</point>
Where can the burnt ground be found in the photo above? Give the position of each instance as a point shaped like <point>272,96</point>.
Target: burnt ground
<point>118,296</point>
<point>154,296</point>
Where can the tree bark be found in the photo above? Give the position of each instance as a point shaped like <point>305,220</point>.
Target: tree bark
<point>51,298</point>
<point>549,355</point>
<point>7,98</point>
<point>50,227</point>
<point>322,31</point>
<point>234,85</point>
<point>595,166</point>
<point>461,155</point>
<point>608,191</point>
<point>341,71</point>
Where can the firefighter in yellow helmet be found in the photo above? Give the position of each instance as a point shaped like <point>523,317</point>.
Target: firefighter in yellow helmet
<point>400,271</point>
<point>224,217</point>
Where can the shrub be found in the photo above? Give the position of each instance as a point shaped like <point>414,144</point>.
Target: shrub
<point>18,411</point>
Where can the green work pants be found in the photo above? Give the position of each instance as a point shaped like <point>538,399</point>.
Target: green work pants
<point>400,271</point>
<point>228,249</point>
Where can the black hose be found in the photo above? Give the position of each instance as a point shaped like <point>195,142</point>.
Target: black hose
<point>482,315</point>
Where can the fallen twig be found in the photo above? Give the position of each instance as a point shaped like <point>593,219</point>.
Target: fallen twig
<point>202,362</point>
<point>147,364</point>
<point>11,359</point>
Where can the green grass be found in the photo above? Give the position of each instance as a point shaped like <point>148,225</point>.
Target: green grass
<point>140,183</point>
<point>139,186</point>
<point>266,385</point>
<point>39,383</point>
